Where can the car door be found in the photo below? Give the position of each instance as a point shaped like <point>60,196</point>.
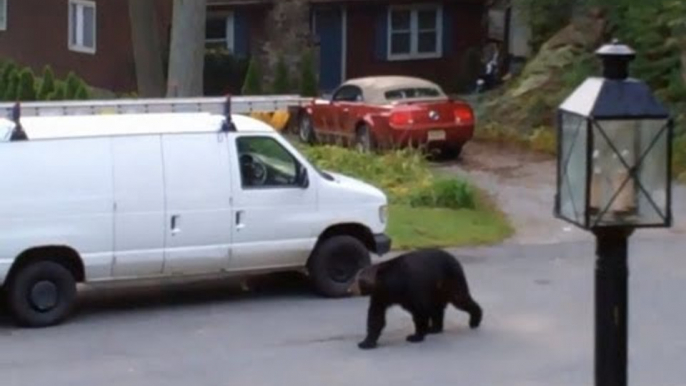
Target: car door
<point>274,216</point>
<point>197,180</point>
<point>341,102</point>
<point>349,110</point>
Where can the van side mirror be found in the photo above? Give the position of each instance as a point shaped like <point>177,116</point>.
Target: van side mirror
<point>303,180</point>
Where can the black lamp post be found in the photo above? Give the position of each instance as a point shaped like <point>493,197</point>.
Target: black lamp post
<point>613,176</point>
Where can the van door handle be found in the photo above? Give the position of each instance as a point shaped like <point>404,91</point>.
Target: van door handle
<point>239,220</point>
<point>174,224</point>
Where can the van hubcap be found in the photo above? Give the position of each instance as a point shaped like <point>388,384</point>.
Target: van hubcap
<point>342,268</point>
<point>44,296</point>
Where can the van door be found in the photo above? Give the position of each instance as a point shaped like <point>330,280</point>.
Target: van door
<point>139,206</point>
<point>274,218</point>
<point>198,202</point>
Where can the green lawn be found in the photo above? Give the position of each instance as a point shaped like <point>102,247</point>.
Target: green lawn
<point>411,227</point>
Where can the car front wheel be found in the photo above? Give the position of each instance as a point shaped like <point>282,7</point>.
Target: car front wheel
<point>306,130</point>
<point>334,264</point>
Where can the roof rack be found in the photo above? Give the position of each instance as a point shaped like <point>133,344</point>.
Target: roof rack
<point>216,105</point>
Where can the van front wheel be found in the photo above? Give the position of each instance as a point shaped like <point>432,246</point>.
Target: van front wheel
<point>335,263</point>
<point>41,294</point>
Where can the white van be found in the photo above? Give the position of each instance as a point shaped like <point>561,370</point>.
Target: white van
<point>94,198</point>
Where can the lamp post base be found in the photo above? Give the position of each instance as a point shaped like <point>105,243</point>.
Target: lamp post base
<point>611,295</point>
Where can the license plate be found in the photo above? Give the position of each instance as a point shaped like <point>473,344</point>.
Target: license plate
<point>436,135</point>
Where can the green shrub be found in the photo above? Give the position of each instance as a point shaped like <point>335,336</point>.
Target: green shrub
<point>72,85</point>
<point>8,68</point>
<point>47,86</point>
<point>253,79</point>
<point>60,92</point>
<point>224,73</point>
<point>308,76</point>
<point>11,91</point>
<point>27,86</point>
<point>82,92</point>
<point>445,193</point>
<point>281,82</point>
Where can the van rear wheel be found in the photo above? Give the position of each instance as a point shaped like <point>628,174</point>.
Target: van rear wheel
<point>41,294</point>
<point>335,263</point>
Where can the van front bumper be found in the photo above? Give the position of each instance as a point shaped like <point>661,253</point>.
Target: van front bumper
<point>382,244</point>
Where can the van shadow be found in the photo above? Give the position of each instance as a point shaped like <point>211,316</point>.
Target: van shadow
<point>104,299</point>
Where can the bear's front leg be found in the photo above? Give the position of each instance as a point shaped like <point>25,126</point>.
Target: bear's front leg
<point>376,320</point>
<point>421,324</point>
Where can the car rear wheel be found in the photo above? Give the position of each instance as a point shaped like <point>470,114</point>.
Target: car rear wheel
<point>41,294</point>
<point>306,130</point>
<point>334,264</point>
<point>363,139</point>
<point>451,152</point>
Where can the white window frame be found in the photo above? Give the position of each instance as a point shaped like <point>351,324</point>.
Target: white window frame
<point>229,39</point>
<point>3,9</point>
<point>79,46</point>
<point>414,32</point>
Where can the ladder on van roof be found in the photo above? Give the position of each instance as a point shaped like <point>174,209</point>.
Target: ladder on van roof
<point>215,105</point>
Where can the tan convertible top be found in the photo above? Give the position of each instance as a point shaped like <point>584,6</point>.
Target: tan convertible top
<point>375,87</point>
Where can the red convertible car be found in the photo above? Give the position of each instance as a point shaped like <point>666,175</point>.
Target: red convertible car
<point>387,112</point>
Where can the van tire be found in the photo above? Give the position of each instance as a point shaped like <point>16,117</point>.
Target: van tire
<point>41,294</point>
<point>334,264</point>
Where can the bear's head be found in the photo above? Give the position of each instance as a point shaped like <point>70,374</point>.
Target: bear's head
<point>364,282</point>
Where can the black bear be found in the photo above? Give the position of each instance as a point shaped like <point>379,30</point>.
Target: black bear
<point>422,282</point>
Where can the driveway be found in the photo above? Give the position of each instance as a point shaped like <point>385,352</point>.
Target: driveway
<point>523,185</point>
<point>537,330</point>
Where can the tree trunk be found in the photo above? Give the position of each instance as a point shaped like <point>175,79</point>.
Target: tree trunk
<point>187,49</point>
<point>147,48</point>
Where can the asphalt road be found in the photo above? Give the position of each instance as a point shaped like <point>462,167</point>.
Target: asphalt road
<point>537,330</point>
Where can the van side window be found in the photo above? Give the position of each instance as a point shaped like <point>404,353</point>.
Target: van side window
<point>264,163</point>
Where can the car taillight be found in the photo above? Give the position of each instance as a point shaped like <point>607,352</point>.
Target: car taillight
<point>400,118</point>
<point>463,115</point>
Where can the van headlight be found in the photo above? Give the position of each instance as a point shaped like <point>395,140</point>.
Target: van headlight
<point>383,213</point>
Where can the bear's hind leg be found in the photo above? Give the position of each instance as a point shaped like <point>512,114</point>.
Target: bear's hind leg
<point>421,324</point>
<point>468,305</point>
<point>437,320</point>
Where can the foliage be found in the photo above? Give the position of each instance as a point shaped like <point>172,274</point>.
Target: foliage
<point>545,18</point>
<point>281,82</point>
<point>73,84</point>
<point>27,86</point>
<point>425,210</point>
<point>8,68</point>
<point>11,90</point>
<point>60,92</point>
<point>411,227</point>
<point>445,193</point>
<point>308,76</point>
<point>224,72</point>
<point>47,86</point>
<point>253,79</point>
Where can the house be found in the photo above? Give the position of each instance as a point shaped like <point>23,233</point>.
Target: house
<point>434,39</point>
<point>509,29</point>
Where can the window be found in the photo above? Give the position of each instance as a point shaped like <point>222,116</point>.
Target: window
<point>219,32</point>
<point>409,93</point>
<point>348,94</point>
<point>264,163</point>
<point>414,32</point>
<point>82,26</point>
<point>3,15</point>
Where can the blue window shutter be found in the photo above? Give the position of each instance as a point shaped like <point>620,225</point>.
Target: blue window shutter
<point>381,43</point>
<point>448,31</point>
<point>241,34</point>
